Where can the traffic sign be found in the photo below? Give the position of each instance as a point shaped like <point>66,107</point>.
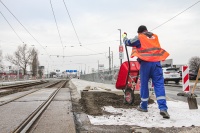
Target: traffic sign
<point>121,52</point>
<point>121,55</point>
<point>121,49</point>
<point>71,71</point>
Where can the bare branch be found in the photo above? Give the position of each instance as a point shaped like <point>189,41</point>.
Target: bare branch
<point>194,63</point>
<point>23,57</point>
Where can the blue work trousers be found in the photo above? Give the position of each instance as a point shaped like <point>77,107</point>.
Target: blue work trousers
<point>154,71</point>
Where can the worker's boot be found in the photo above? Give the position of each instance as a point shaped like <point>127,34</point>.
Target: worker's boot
<point>141,109</point>
<point>164,114</point>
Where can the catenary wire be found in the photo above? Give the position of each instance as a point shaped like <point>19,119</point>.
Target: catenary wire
<point>57,26</point>
<point>12,27</point>
<point>23,26</point>
<point>71,22</point>
<point>74,28</point>
<point>26,29</point>
<point>78,55</point>
<point>175,16</point>
<point>96,43</point>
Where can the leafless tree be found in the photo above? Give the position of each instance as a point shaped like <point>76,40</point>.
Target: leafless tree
<point>194,63</point>
<point>34,62</point>
<point>22,57</point>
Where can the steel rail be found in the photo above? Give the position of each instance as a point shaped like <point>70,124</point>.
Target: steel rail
<point>29,121</point>
<point>6,102</point>
<point>23,85</point>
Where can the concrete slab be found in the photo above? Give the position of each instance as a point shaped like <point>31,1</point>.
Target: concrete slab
<point>3,90</point>
<point>63,95</point>
<point>15,95</point>
<point>13,114</point>
<point>17,82</point>
<point>40,95</point>
<point>58,117</point>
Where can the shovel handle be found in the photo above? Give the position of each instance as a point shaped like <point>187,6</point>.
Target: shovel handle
<point>196,82</point>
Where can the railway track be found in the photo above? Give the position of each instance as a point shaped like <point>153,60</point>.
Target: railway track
<point>29,121</point>
<point>29,92</point>
<point>20,113</point>
<point>15,88</point>
<point>22,85</point>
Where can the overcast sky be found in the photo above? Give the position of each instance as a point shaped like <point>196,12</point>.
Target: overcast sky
<point>96,24</point>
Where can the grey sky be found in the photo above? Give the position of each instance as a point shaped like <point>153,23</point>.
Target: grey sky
<point>96,24</point>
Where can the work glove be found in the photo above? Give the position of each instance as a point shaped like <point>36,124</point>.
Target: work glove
<point>124,35</point>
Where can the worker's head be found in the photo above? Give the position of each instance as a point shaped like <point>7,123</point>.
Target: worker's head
<point>141,29</point>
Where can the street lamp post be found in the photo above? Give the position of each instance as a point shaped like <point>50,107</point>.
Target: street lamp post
<point>120,44</point>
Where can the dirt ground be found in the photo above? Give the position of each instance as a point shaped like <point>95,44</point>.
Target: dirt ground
<point>91,103</point>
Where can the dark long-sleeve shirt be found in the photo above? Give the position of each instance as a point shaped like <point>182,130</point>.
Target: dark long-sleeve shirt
<point>133,42</point>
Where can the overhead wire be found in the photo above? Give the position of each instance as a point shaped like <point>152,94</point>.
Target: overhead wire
<point>23,26</point>
<point>74,28</point>
<point>26,29</point>
<point>57,26</point>
<point>176,15</point>
<point>89,49</point>
<point>79,55</point>
<point>12,28</point>
<point>99,42</point>
<point>71,22</point>
<point>96,43</point>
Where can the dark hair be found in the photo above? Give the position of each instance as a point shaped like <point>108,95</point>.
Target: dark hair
<point>141,29</point>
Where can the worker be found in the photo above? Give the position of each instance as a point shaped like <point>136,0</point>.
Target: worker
<point>147,48</point>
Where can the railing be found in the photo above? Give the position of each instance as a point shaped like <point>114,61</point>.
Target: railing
<point>108,77</point>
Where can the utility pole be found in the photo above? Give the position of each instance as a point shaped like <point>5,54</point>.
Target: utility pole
<point>109,61</point>
<point>98,66</point>
<point>120,45</point>
<point>112,60</point>
<point>85,68</point>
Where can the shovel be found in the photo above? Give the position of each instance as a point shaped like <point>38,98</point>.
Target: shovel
<point>192,101</point>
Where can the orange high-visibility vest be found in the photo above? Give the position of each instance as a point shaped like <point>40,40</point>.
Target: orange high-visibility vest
<point>150,49</point>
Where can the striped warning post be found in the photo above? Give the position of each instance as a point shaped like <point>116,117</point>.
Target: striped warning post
<point>185,79</point>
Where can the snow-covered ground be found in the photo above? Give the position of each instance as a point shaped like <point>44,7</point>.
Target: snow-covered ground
<point>180,114</point>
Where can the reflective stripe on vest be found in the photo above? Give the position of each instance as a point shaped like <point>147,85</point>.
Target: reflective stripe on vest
<point>159,54</point>
<point>150,49</point>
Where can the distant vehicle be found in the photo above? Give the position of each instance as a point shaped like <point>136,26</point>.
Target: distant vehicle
<point>171,74</point>
<point>54,76</point>
<point>180,73</point>
<point>193,74</point>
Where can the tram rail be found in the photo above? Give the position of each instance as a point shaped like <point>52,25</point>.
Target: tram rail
<point>11,100</point>
<point>29,121</point>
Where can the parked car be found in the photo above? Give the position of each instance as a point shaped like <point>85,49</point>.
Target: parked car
<point>180,73</point>
<point>171,74</point>
<point>193,74</point>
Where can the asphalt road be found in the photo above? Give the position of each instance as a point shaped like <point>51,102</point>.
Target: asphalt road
<point>173,90</point>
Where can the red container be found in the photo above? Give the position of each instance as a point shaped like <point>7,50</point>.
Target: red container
<point>123,74</point>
